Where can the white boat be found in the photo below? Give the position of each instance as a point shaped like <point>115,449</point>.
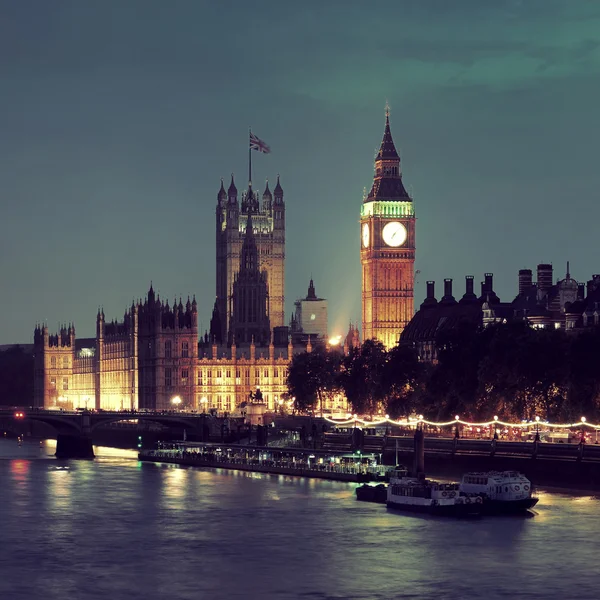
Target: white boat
<point>503,492</point>
<point>422,495</point>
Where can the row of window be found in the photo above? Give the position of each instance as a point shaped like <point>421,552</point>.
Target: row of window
<point>65,383</point>
<point>185,349</point>
<point>207,376</point>
<point>65,362</point>
<point>171,375</point>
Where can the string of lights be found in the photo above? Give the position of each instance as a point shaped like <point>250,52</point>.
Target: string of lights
<point>412,422</point>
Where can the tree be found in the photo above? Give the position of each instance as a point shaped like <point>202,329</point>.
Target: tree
<point>401,375</point>
<point>524,373</point>
<point>583,377</point>
<point>502,390</point>
<point>362,376</point>
<point>312,377</point>
<point>452,385</point>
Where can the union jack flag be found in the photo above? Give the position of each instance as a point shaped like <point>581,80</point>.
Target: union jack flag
<point>257,144</point>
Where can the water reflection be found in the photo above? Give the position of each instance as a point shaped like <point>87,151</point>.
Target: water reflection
<point>115,528</point>
<point>19,470</point>
<point>59,489</point>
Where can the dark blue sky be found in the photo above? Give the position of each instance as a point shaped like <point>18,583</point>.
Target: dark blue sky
<point>119,118</point>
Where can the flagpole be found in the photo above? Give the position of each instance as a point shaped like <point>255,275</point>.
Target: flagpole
<point>249,157</point>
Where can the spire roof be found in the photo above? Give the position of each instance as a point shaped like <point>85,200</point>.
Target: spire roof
<point>278,191</point>
<point>387,183</point>
<point>222,193</point>
<point>232,189</point>
<point>267,191</point>
<point>387,151</point>
<point>249,255</point>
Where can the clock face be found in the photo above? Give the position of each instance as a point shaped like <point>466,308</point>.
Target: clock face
<point>365,235</point>
<point>394,234</point>
<point>313,317</point>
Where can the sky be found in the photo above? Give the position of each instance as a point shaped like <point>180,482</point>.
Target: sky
<point>118,119</point>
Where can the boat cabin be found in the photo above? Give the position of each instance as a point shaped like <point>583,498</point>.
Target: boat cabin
<point>497,485</point>
<point>415,488</point>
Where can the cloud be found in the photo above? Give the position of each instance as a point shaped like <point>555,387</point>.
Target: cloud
<point>500,45</point>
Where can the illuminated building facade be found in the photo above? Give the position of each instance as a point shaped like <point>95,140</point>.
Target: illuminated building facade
<point>143,361</point>
<point>227,374</point>
<point>387,255</point>
<point>268,221</point>
<point>152,357</point>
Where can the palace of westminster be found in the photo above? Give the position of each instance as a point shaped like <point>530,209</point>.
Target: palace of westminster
<point>154,358</point>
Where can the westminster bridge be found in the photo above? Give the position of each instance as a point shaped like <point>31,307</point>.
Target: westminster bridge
<point>74,428</point>
<point>571,463</point>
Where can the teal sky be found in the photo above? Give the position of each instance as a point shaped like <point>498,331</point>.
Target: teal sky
<point>120,117</point>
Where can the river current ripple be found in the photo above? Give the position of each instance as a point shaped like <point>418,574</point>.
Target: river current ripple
<point>117,529</point>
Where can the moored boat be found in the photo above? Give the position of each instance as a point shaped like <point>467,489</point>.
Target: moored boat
<point>415,494</point>
<point>372,493</point>
<point>503,492</point>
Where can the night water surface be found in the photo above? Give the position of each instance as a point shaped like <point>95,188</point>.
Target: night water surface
<point>117,529</point>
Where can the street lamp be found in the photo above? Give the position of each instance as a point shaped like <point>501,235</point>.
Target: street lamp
<point>495,427</point>
<point>537,429</point>
<point>583,419</point>
<point>203,402</point>
<point>176,401</point>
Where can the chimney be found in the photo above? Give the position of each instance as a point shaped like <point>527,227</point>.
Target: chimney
<point>448,298</point>
<point>580,291</point>
<point>447,288</point>
<point>525,280</point>
<point>544,278</point>
<point>469,290</point>
<point>431,290</point>
<point>489,283</point>
<point>469,285</point>
<point>430,299</point>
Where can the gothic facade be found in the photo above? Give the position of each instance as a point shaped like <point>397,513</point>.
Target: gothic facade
<point>250,317</point>
<point>152,360</point>
<point>142,362</point>
<point>387,255</point>
<point>268,220</point>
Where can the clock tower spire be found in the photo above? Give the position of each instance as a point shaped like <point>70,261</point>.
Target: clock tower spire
<point>387,253</point>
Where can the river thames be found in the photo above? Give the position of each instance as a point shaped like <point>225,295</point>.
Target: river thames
<point>117,529</point>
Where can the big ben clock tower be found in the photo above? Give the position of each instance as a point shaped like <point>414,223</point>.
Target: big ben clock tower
<point>387,249</point>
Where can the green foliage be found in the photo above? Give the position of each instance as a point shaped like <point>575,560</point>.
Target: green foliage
<point>401,378</point>
<point>584,376</point>
<point>312,377</point>
<point>524,372</point>
<point>362,376</point>
<point>516,372</point>
<point>451,387</point>
<point>509,370</point>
